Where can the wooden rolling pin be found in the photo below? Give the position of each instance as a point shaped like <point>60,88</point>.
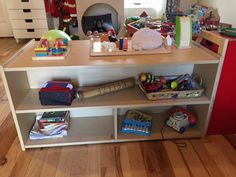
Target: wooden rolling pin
<point>107,88</point>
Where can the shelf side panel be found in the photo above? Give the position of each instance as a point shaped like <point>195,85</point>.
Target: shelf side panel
<point>18,85</point>
<point>208,75</point>
<point>26,122</point>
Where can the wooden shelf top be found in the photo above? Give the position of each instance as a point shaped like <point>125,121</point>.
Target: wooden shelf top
<point>132,97</point>
<point>79,58</point>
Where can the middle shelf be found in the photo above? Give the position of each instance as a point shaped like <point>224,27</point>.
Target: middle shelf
<point>132,97</point>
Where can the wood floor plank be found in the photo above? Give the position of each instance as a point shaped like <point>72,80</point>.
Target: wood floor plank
<point>151,159</point>
<point>22,164</point>
<point>64,165</point>
<point>79,161</point>
<point>158,157</point>
<point>36,163</point>
<point>94,161</point>
<point>12,158</point>
<point>51,161</point>
<point>192,160</point>
<point>8,135</point>
<point>4,110</point>
<point>222,161</point>
<point>9,48</point>
<point>136,161</point>
<point>206,158</point>
<point>225,147</point>
<point>232,140</point>
<point>179,167</point>
<point>124,160</point>
<point>118,163</point>
<point>109,162</point>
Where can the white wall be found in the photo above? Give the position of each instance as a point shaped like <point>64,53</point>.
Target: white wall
<point>157,12</point>
<point>154,12</point>
<point>226,9</point>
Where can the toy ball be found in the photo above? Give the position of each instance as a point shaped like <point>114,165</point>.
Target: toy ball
<point>162,80</point>
<point>147,77</point>
<point>52,35</point>
<point>143,77</point>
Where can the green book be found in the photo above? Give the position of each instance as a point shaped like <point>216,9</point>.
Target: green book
<point>57,116</point>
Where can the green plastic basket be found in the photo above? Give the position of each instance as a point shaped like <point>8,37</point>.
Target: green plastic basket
<point>229,32</point>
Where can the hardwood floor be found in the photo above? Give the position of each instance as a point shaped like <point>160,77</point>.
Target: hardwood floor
<point>7,128</point>
<point>214,156</point>
<point>8,47</point>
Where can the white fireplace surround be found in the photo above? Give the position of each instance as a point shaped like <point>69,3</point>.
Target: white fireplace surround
<point>83,5</point>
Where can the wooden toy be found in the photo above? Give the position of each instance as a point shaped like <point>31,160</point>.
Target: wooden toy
<point>107,88</point>
<point>180,119</point>
<point>41,51</point>
<point>56,51</point>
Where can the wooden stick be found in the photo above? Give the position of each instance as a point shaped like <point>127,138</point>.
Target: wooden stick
<point>107,88</point>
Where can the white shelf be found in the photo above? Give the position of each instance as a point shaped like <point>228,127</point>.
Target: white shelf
<point>132,97</point>
<point>20,77</point>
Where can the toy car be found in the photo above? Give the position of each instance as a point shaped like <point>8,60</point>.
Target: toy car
<point>180,119</point>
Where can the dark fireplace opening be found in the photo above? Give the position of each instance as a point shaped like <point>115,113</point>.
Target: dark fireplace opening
<point>100,12</point>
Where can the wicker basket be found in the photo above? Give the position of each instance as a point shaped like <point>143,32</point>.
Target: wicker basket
<point>196,92</point>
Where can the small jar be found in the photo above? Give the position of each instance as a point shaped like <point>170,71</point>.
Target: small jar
<point>97,45</point>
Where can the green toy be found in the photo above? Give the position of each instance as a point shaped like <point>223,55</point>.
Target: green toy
<point>51,35</point>
<point>229,32</point>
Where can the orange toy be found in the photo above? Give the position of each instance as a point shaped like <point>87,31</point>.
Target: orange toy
<point>104,38</point>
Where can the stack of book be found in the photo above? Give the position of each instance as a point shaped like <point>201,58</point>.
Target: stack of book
<point>50,125</point>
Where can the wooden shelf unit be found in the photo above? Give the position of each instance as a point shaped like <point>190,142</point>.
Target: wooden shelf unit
<point>98,119</point>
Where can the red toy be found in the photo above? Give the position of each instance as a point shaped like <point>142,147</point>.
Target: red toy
<point>181,118</point>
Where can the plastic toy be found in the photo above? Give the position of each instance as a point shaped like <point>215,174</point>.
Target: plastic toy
<point>152,83</point>
<point>229,32</point>
<point>41,51</point>
<point>137,122</point>
<point>180,119</point>
<point>56,49</point>
<point>179,80</point>
<point>52,35</point>
<point>147,77</point>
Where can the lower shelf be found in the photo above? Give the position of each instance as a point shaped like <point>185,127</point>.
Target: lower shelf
<point>87,130</point>
<point>159,131</point>
<point>93,130</point>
